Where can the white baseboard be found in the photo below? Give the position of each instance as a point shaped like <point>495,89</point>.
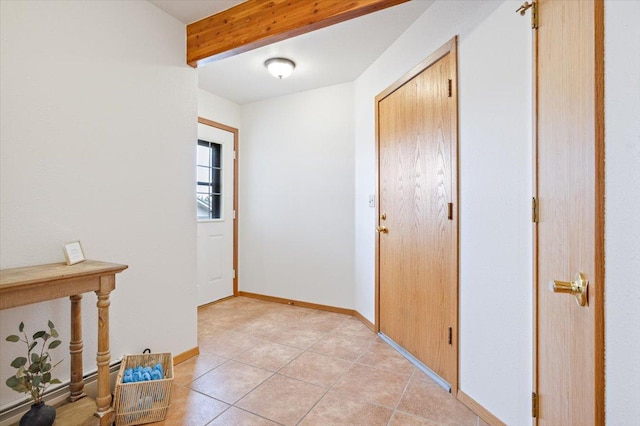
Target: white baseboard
<point>13,414</point>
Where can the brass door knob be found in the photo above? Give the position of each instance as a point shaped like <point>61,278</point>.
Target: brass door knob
<point>382,229</point>
<point>578,288</point>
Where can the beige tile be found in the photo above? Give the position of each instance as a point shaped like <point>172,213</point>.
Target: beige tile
<point>355,327</point>
<point>282,399</point>
<point>191,369</point>
<point>320,321</point>
<point>404,419</point>
<point>237,417</point>
<point>368,383</point>
<point>339,409</point>
<point>297,338</point>
<point>190,408</point>
<point>254,331</point>
<point>268,355</point>
<point>381,355</point>
<point>208,331</point>
<point>316,369</point>
<point>341,346</point>
<point>425,398</point>
<point>286,315</point>
<point>260,327</point>
<point>230,382</point>
<point>233,318</point>
<point>229,344</point>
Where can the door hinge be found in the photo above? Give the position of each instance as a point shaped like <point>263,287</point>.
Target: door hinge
<point>234,215</point>
<point>450,336</point>
<point>534,404</point>
<point>234,155</point>
<point>522,10</point>
<point>234,274</point>
<point>450,211</point>
<point>450,88</point>
<point>534,210</point>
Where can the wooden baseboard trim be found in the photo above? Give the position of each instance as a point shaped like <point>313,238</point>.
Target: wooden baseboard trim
<point>309,305</point>
<point>365,321</point>
<point>186,355</point>
<point>482,412</point>
<point>216,301</point>
<point>296,303</point>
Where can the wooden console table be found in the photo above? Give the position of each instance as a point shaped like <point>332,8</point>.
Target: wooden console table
<point>32,284</point>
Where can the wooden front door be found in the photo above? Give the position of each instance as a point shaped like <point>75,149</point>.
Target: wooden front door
<point>417,240</point>
<point>570,229</point>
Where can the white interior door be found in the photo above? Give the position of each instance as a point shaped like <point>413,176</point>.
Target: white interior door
<point>215,213</point>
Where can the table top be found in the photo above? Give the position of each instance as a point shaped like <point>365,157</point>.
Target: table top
<point>15,277</point>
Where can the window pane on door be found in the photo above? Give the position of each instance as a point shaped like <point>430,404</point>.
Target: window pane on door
<point>209,180</point>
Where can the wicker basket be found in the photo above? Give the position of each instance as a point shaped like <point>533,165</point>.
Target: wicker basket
<point>143,402</point>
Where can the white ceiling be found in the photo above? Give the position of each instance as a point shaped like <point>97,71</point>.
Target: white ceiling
<point>189,11</point>
<point>331,55</point>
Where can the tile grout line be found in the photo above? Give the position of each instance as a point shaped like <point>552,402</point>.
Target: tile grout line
<point>406,386</point>
<point>273,373</point>
<point>322,334</point>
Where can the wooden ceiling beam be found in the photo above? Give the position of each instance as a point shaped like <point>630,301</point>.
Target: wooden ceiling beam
<point>256,23</point>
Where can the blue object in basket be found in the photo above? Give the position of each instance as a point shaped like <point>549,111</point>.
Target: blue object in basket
<point>141,374</point>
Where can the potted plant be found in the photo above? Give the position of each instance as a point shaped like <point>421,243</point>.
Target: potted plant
<point>33,375</point>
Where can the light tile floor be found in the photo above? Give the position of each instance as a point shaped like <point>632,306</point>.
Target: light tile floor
<point>264,363</point>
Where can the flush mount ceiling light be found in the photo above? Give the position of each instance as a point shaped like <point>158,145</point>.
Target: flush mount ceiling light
<point>280,67</point>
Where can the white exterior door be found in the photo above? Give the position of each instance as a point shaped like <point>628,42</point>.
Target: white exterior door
<point>215,161</point>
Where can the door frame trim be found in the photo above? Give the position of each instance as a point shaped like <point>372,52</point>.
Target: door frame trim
<point>450,47</point>
<point>235,132</point>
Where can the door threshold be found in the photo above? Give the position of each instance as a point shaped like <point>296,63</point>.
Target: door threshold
<point>415,361</point>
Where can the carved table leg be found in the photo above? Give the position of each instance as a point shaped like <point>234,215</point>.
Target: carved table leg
<point>75,349</point>
<point>103,400</point>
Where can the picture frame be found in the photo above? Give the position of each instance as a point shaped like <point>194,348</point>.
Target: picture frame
<point>73,253</point>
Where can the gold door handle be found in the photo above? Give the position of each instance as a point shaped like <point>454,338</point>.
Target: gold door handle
<point>578,288</point>
<point>382,229</point>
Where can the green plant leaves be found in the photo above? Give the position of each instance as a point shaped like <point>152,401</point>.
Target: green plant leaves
<point>19,362</point>
<point>12,382</point>
<point>16,384</point>
<point>33,375</point>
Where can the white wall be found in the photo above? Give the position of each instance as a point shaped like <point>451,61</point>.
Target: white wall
<point>98,113</point>
<point>622,227</point>
<point>495,215</point>
<point>296,197</point>
<point>218,109</point>
<point>495,191</point>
